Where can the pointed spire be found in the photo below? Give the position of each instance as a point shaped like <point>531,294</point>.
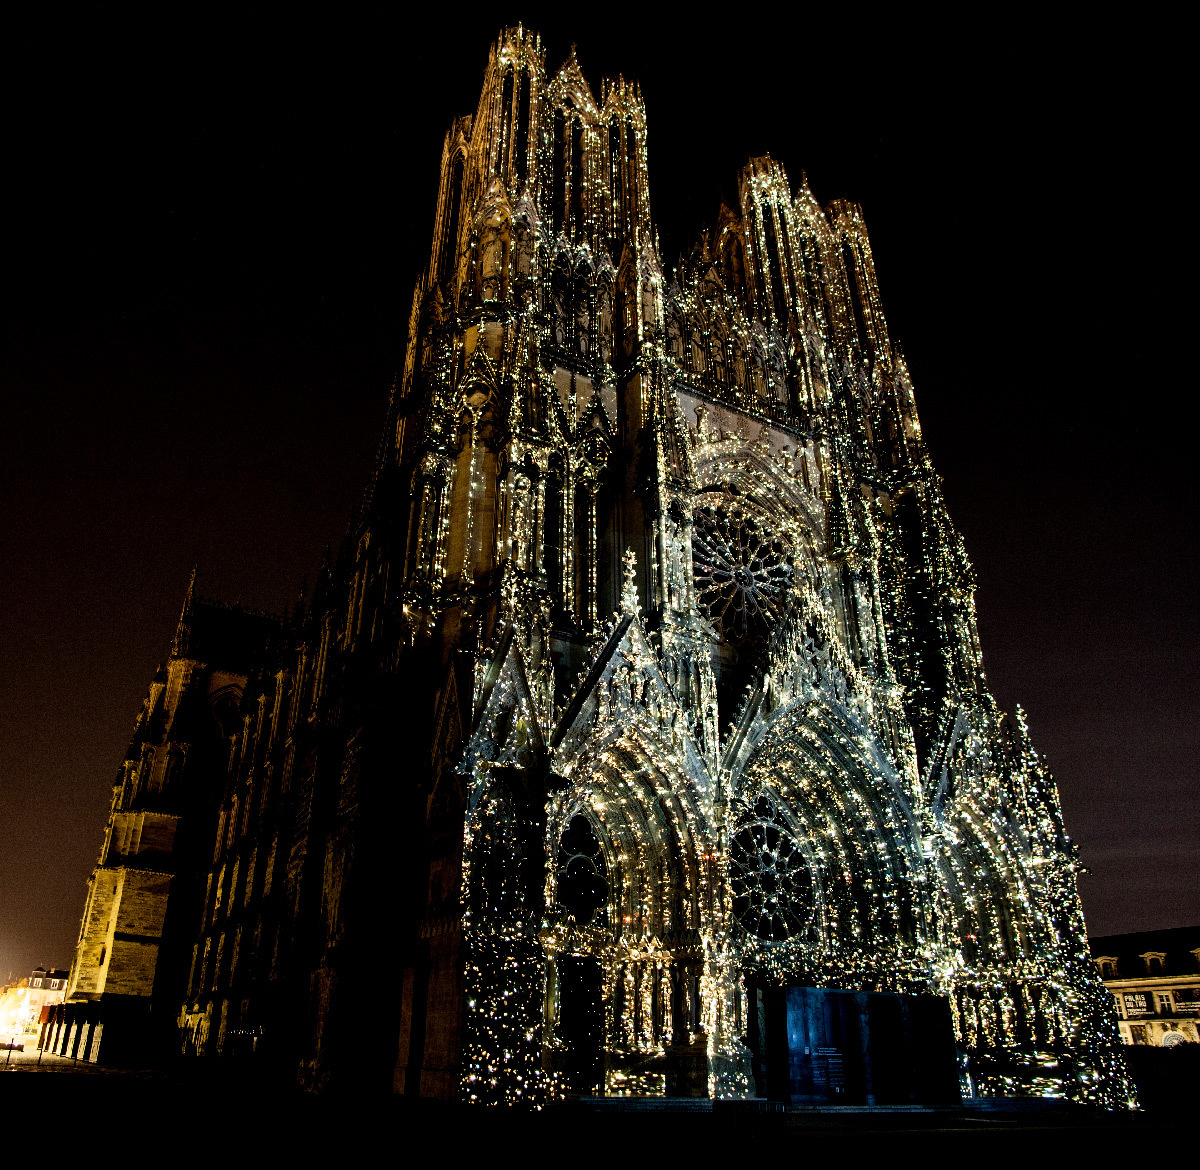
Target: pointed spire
<point>301,596</point>
<point>324,583</point>
<point>183,629</point>
<point>1021,728</point>
<point>629,597</point>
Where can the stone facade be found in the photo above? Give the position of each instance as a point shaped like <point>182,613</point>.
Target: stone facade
<point>1154,977</point>
<point>644,705</point>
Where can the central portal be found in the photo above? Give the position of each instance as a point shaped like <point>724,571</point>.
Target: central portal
<point>815,1046</point>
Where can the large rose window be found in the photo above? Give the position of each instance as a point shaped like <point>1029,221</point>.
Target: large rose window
<point>770,878</point>
<point>743,572</point>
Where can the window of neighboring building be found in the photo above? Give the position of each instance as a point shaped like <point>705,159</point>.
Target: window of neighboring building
<point>1137,1033</point>
<point>1155,962</point>
<point>53,984</point>
<point>35,983</point>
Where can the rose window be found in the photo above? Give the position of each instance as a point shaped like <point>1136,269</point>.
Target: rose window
<point>743,572</point>
<point>771,881</point>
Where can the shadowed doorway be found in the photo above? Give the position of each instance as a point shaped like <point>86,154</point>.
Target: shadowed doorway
<point>581,1022</point>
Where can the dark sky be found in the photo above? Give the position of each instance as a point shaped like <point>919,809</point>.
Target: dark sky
<point>214,225</point>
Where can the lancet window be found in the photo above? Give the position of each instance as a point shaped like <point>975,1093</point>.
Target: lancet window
<point>581,873</point>
<point>615,178</point>
<point>585,553</point>
<point>515,106</point>
<point>775,265</point>
<point>451,226</point>
<point>853,293</point>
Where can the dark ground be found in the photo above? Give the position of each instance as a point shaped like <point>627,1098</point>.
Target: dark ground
<point>234,1116</point>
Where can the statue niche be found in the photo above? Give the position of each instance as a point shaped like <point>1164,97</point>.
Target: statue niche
<point>495,243</point>
<point>739,365</point>
<point>604,322</point>
<point>560,297</point>
<point>674,336</point>
<point>582,312</point>
<point>699,363</point>
<point>524,245</point>
<point>649,305</point>
<point>718,356</point>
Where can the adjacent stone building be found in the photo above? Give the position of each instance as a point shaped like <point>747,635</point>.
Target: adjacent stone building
<point>1154,977</point>
<point>23,1003</point>
<point>640,732</point>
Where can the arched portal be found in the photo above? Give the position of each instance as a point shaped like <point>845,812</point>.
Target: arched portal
<point>827,871</point>
<point>629,765</point>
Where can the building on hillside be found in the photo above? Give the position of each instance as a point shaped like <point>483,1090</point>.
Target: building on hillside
<point>1154,977</point>
<point>144,894</point>
<point>640,731</point>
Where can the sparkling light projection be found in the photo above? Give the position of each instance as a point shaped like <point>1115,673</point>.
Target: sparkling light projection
<point>728,461</point>
<point>709,703</point>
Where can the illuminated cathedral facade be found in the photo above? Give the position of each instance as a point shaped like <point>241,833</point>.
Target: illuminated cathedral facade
<point>639,742</point>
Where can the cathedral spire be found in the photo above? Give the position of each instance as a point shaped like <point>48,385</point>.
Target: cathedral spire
<point>183,628</point>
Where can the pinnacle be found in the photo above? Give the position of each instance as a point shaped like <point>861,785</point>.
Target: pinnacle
<point>629,597</point>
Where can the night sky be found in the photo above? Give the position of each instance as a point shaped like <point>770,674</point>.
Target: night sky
<point>213,230</point>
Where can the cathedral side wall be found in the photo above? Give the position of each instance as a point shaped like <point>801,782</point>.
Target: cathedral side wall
<point>118,952</point>
<point>95,941</point>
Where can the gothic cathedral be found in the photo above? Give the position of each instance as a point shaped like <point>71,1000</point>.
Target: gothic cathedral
<point>638,742</point>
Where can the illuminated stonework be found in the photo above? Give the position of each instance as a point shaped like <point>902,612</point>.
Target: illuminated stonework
<point>648,682</point>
